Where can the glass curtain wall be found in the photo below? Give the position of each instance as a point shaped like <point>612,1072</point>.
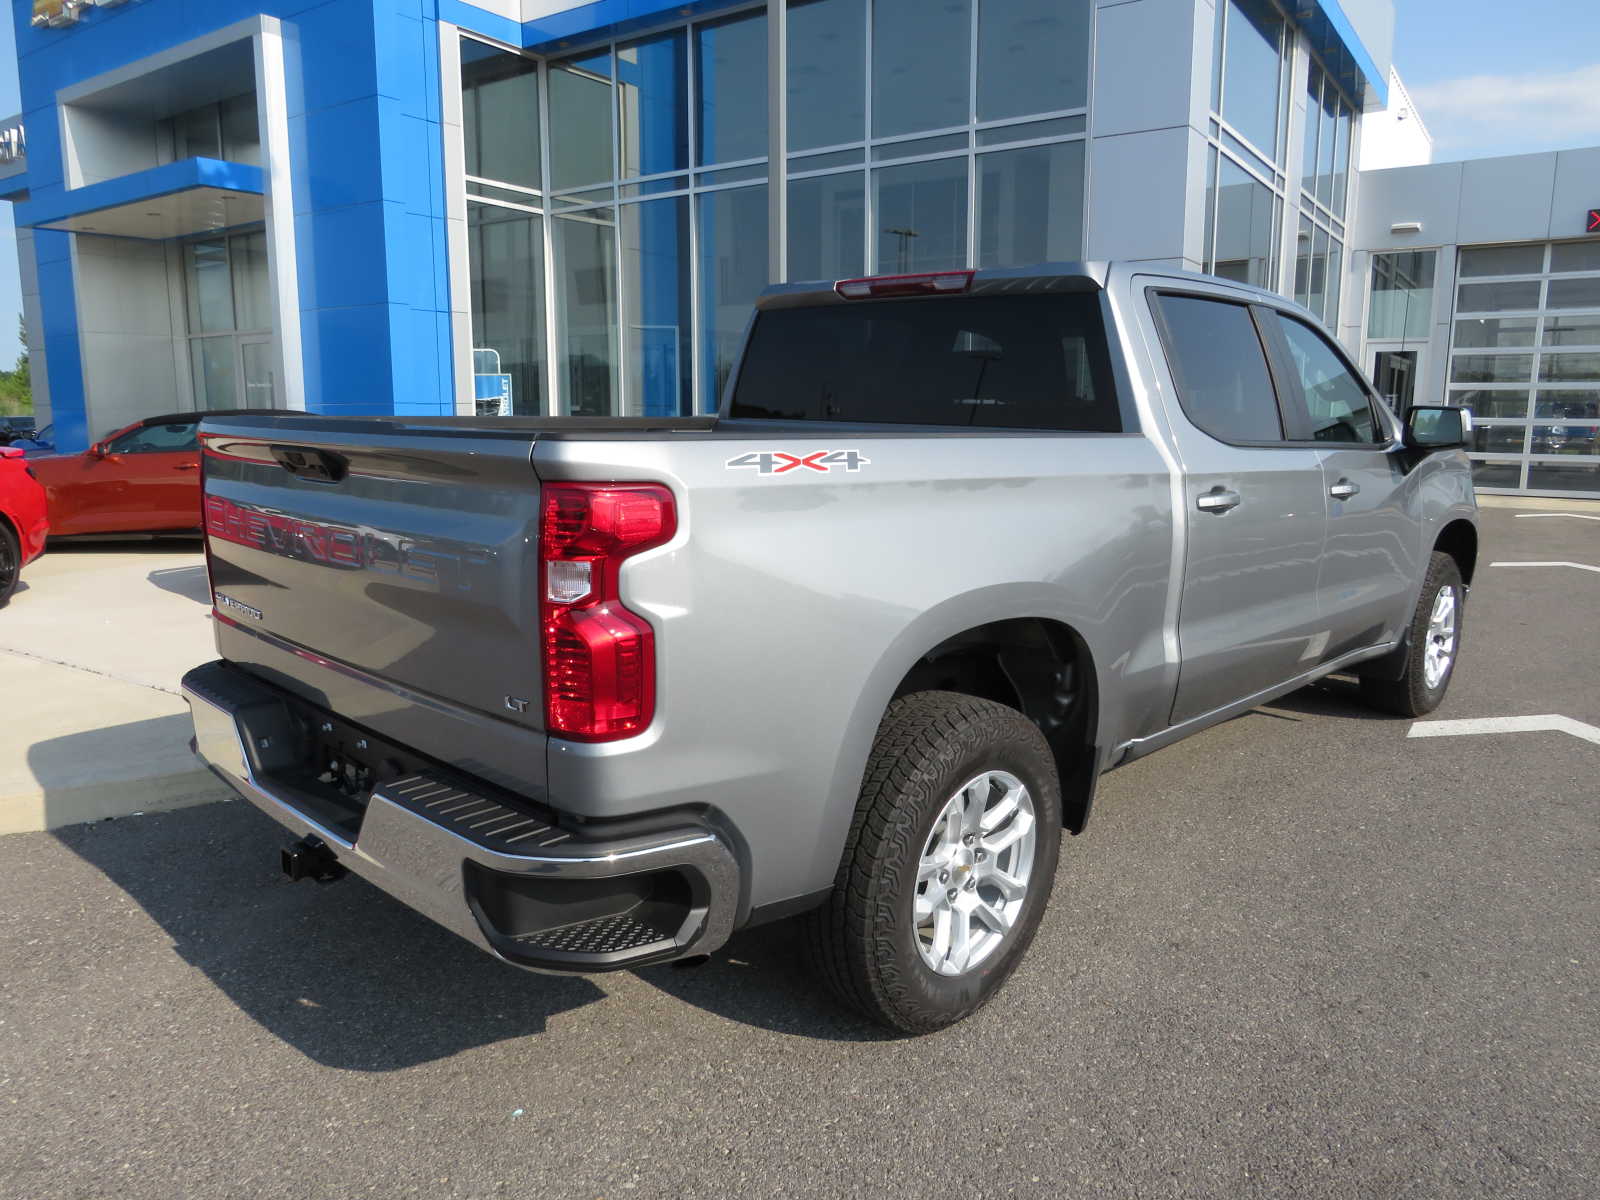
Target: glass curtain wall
<point>1525,358</point>
<point>1246,180</point>
<point>229,302</point>
<point>925,135</point>
<point>1401,308</point>
<point>1324,190</point>
<point>618,198</point>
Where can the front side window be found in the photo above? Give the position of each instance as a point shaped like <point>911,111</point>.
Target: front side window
<point>1220,369</point>
<point>985,362</point>
<point>1336,403</point>
<point>157,439</point>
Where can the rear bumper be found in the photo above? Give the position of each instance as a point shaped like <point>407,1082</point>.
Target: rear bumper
<point>515,881</point>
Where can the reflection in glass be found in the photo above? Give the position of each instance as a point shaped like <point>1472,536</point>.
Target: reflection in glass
<point>1512,404</point>
<point>1319,270</point>
<point>506,255</point>
<point>1497,297</point>
<point>658,344</point>
<point>827,72</point>
<point>733,271</point>
<point>500,114</point>
<point>260,387</point>
<point>1033,56</point>
<point>1315,82</point>
<point>1341,159</point>
<point>1563,477</point>
<point>1327,145</point>
<point>921,67</point>
<point>580,121</point>
<point>1579,403</point>
<point>1496,474</point>
<point>1475,332</point>
<point>1030,205</point>
<point>1502,260</point>
<point>1491,368</point>
<point>210,287</point>
<point>731,81</point>
<point>1252,59</point>
<point>921,216</point>
<point>1569,438</point>
<point>241,130</point>
<point>1575,256</point>
<point>1499,439</point>
<point>1246,212</point>
<point>1569,368</point>
<point>252,293</point>
<point>653,104</point>
<point>585,271</point>
<point>1402,294</point>
<point>1302,263</point>
<point>1574,293</point>
<point>215,382</point>
<point>827,227</point>
<point>1572,331</point>
<point>1330,314</point>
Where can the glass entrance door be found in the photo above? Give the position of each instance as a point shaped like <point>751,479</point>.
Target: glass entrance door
<point>1394,374</point>
<point>257,365</point>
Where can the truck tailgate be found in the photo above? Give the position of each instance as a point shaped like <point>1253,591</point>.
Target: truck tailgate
<point>385,567</point>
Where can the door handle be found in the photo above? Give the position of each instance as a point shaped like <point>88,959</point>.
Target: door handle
<point>1344,489</point>
<point>1218,500</point>
<point>187,467</point>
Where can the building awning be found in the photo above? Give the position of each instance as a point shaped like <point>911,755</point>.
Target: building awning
<point>1341,49</point>
<point>181,199</point>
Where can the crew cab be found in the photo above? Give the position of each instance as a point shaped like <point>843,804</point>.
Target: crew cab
<point>597,693</point>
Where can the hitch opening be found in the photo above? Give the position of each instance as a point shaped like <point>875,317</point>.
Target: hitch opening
<point>310,858</point>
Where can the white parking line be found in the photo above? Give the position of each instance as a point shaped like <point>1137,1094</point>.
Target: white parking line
<point>1474,725</point>
<point>1575,516</point>
<point>1573,565</point>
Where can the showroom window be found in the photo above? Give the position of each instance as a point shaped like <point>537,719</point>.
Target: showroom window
<point>1245,178</point>
<point>229,305</point>
<point>227,130</point>
<point>1401,306</point>
<point>623,193</point>
<point>1525,358</point>
<point>1324,190</point>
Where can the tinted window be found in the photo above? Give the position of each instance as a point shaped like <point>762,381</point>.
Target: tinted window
<point>1335,401</point>
<point>157,439</point>
<point>1001,362</point>
<point>1221,369</point>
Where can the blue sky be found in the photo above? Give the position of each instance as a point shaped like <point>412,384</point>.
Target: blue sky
<point>1488,79</point>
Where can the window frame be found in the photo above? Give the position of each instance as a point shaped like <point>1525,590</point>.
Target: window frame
<point>1287,377</point>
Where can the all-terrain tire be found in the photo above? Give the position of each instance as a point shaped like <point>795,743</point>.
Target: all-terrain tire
<point>864,941</point>
<point>1412,695</point>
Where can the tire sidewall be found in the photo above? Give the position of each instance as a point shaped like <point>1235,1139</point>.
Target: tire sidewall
<point>1442,573</point>
<point>1016,748</point>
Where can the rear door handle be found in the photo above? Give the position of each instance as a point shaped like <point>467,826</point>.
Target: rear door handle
<point>187,467</point>
<point>1218,500</point>
<point>1344,489</point>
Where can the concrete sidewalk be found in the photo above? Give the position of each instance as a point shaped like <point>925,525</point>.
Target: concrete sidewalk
<point>91,650</point>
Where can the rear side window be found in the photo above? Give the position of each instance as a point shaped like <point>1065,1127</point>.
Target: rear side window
<point>986,362</point>
<point>1335,402</point>
<point>1221,369</point>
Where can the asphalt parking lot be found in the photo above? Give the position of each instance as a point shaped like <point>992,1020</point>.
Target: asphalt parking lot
<point>1301,954</point>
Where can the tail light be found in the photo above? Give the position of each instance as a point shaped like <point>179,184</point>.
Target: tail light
<point>599,658</point>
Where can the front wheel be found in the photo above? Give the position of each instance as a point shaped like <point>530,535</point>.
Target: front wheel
<point>1433,645</point>
<point>948,866</point>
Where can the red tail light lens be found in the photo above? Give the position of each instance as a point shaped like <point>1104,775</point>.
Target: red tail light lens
<point>599,658</point>
<point>878,286</point>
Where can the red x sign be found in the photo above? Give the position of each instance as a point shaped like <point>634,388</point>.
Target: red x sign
<point>811,461</point>
<point>1594,220</point>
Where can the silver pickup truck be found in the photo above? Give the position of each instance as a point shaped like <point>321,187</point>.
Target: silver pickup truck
<point>597,693</point>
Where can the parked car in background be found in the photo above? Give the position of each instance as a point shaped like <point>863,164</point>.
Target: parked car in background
<point>12,428</point>
<point>41,442</point>
<point>144,478</point>
<point>23,520</point>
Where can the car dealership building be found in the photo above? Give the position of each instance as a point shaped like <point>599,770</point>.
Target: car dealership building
<point>532,206</point>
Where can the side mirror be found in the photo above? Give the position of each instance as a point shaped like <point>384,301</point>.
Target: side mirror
<point>98,450</point>
<point>1437,428</point>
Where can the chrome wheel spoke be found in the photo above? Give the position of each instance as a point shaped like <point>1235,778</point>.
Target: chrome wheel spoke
<point>1001,812</point>
<point>1020,826</point>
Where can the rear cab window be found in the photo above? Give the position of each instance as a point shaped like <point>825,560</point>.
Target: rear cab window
<point>975,361</point>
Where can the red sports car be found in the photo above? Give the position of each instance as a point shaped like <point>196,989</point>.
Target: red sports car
<point>23,526</point>
<point>142,479</point>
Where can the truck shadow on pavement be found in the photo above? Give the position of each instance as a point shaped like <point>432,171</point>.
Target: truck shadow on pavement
<point>356,981</point>
<point>189,582</point>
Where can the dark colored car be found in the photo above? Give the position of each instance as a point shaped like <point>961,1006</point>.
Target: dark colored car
<point>42,441</point>
<point>12,428</point>
<point>23,521</point>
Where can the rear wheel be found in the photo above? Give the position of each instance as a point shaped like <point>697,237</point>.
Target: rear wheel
<point>10,562</point>
<point>948,866</point>
<point>1433,645</point>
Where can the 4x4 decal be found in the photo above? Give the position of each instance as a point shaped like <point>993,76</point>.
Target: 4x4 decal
<point>776,462</point>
